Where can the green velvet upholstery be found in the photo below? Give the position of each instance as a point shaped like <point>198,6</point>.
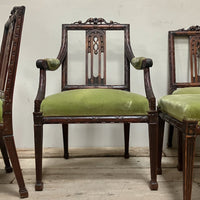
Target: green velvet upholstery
<point>137,62</point>
<point>187,90</point>
<point>1,111</point>
<point>181,107</point>
<point>94,102</point>
<point>53,63</point>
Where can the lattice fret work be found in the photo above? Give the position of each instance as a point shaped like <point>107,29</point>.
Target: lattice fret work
<point>95,50</point>
<point>195,58</point>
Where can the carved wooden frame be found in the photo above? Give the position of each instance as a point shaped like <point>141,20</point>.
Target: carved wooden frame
<point>8,66</point>
<point>94,26</point>
<point>187,130</point>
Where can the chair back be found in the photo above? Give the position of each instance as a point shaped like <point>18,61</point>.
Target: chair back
<point>192,35</point>
<point>9,55</point>
<point>95,49</point>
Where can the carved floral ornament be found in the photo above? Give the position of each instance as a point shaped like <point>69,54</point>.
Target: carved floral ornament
<point>95,21</point>
<point>191,28</point>
<point>195,45</point>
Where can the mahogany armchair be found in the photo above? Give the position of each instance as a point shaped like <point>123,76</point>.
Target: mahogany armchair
<point>8,65</point>
<point>181,109</point>
<point>95,101</point>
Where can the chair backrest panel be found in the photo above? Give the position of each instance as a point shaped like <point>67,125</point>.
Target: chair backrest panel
<point>9,53</point>
<point>95,53</point>
<point>192,34</point>
<point>194,58</point>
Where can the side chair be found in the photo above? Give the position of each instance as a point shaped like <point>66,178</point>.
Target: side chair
<point>8,65</point>
<point>181,109</point>
<point>95,101</point>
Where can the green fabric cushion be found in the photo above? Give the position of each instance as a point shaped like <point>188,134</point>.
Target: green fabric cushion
<point>187,90</point>
<point>53,63</point>
<point>94,102</point>
<point>137,62</point>
<point>1,111</point>
<point>181,107</point>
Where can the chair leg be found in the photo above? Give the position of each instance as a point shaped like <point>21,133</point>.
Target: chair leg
<point>153,148</point>
<point>189,153</point>
<point>65,140</point>
<point>126,139</point>
<point>38,134</point>
<point>161,125</point>
<point>10,145</point>
<point>180,151</point>
<point>8,167</point>
<point>170,136</point>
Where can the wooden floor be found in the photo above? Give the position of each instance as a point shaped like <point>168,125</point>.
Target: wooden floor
<point>100,177</point>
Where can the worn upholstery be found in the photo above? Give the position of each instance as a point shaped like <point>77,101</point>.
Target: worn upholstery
<point>187,90</point>
<point>53,63</point>
<point>137,62</point>
<point>181,107</point>
<point>94,102</point>
<point>1,111</point>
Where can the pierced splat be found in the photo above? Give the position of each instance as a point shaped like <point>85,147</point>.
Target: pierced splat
<point>195,58</point>
<point>95,51</point>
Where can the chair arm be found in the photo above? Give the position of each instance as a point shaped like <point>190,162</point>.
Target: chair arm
<point>148,89</point>
<point>41,90</point>
<point>137,62</point>
<point>50,64</point>
<point>141,62</point>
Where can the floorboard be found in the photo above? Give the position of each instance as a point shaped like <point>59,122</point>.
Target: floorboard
<point>87,176</point>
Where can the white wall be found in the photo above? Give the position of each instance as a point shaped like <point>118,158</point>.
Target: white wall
<point>150,22</point>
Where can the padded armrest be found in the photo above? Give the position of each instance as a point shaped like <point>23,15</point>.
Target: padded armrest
<point>48,64</point>
<point>141,62</point>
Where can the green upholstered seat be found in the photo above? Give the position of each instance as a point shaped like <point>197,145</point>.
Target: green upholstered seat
<point>181,107</point>
<point>94,102</point>
<point>187,90</point>
<point>1,111</point>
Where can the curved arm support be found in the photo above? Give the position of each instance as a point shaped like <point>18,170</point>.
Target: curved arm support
<point>52,64</point>
<point>137,62</point>
<point>148,89</point>
<point>41,90</point>
<point>49,64</point>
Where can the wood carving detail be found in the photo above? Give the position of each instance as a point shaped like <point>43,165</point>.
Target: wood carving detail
<point>95,21</point>
<point>194,57</point>
<point>191,28</point>
<point>95,48</point>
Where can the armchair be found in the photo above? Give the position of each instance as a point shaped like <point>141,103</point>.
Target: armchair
<point>8,66</point>
<point>96,101</point>
<point>181,109</point>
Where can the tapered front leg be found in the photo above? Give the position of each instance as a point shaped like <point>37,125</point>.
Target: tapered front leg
<point>180,151</point>
<point>189,153</point>
<point>38,134</point>
<point>161,124</point>
<point>170,136</point>
<point>126,139</point>
<point>153,148</point>
<point>10,145</point>
<point>8,168</point>
<point>65,140</point>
